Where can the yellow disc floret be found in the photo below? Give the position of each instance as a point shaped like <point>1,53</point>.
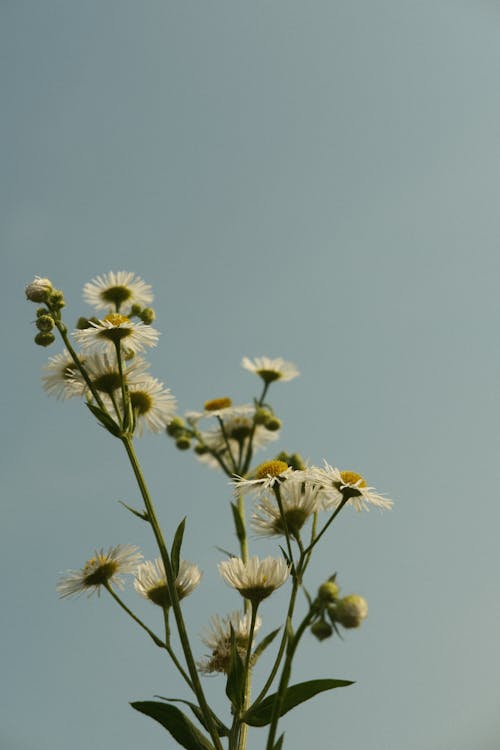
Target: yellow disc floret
<point>350,477</point>
<point>116,319</point>
<point>270,469</point>
<point>218,403</point>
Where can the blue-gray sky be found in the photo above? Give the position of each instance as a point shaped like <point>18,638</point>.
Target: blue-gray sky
<point>317,181</point>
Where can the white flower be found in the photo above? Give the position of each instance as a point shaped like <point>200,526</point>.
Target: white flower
<point>154,405</point>
<point>270,369</point>
<point>346,485</point>
<point>104,372</point>
<point>112,290</point>
<point>114,328</point>
<point>38,290</point>
<point>102,569</point>
<point>223,408</point>
<point>255,579</point>
<point>218,640</point>
<point>151,581</point>
<point>299,500</point>
<point>62,378</point>
<point>265,477</point>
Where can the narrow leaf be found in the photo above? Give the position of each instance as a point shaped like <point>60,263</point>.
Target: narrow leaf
<point>265,642</point>
<point>105,420</point>
<point>139,513</point>
<point>176,546</point>
<point>238,523</point>
<point>221,728</point>
<point>180,727</point>
<point>261,714</point>
<point>279,744</point>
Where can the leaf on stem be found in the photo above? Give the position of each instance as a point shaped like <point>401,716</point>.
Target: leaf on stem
<point>176,546</point>
<point>106,421</point>
<point>265,642</point>
<point>279,744</point>
<point>221,728</point>
<point>139,513</point>
<point>180,727</point>
<point>238,523</point>
<point>235,686</point>
<point>260,715</point>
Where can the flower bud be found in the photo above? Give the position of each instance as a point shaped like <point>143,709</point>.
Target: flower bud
<point>176,427</point>
<point>45,323</point>
<point>328,592</point>
<point>82,324</point>
<point>273,424</point>
<point>44,338</point>
<point>351,611</point>
<point>321,630</point>
<point>57,299</point>
<point>135,311</point>
<point>261,415</point>
<point>147,316</point>
<point>183,443</point>
<point>297,462</point>
<point>38,290</point>
<point>200,450</point>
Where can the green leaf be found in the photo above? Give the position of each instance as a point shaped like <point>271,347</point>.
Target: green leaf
<point>279,744</point>
<point>138,513</point>
<point>221,728</point>
<point>176,546</point>
<point>261,714</point>
<point>236,676</point>
<point>105,420</point>
<point>265,642</point>
<point>180,727</point>
<point>238,523</point>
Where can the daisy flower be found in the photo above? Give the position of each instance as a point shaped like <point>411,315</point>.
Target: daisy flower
<point>255,579</point>
<point>270,369</point>
<point>299,501</point>
<point>151,581</point>
<point>112,290</point>
<point>265,477</point>
<point>153,404</point>
<point>104,373</point>
<point>238,422</point>
<point>115,328</point>
<point>102,569</point>
<point>62,378</point>
<point>218,640</point>
<point>341,485</point>
<point>221,407</point>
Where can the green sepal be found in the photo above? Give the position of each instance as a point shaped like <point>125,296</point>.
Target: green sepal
<point>106,421</point>
<point>176,547</point>
<point>279,744</point>
<point>238,523</point>
<point>180,727</point>
<point>235,685</point>
<point>221,728</point>
<point>139,513</point>
<point>265,642</point>
<point>261,714</point>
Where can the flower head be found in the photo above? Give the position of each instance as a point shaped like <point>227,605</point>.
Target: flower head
<point>62,378</point>
<point>299,500</point>
<point>112,290</point>
<point>102,569</point>
<point>153,404</point>
<point>265,477</point>
<point>350,611</point>
<point>38,290</point>
<point>104,372</point>
<point>151,581</point>
<point>255,579</point>
<point>218,640</point>
<point>113,329</point>
<point>270,369</point>
<point>346,486</point>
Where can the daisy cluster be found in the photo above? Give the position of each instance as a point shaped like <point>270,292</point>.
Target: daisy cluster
<point>108,362</point>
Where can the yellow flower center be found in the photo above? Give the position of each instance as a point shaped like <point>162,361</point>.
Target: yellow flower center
<point>270,469</point>
<point>350,477</point>
<point>116,319</point>
<point>217,403</point>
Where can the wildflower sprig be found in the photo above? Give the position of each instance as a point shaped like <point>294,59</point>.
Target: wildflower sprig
<point>294,504</point>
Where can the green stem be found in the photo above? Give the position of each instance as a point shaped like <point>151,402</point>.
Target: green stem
<point>243,728</point>
<point>186,647</point>
<point>248,458</point>
<point>122,604</point>
<point>327,524</point>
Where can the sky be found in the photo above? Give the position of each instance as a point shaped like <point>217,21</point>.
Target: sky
<point>317,181</point>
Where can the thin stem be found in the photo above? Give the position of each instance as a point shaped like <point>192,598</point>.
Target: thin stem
<point>243,729</point>
<point>122,604</point>
<point>248,458</point>
<point>186,647</point>
<point>327,524</point>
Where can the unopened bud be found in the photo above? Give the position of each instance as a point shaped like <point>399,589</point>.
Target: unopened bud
<point>45,323</point>
<point>44,338</point>
<point>351,611</point>
<point>38,290</point>
<point>83,323</point>
<point>261,415</point>
<point>175,427</point>
<point>328,591</point>
<point>147,316</point>
<point>200,449</point>
<point>296,462</point>
<point>321,630</point>
<point>273,424</point>
<point>183,443</point>
<point>135,310</point>
<point>57,299</point>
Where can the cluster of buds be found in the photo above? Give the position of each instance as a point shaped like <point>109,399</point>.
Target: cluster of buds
<point>332,611</point>
<point>178,430</point>
<point>41,291</point>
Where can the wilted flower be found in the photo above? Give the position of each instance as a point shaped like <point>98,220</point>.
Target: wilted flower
<point>218,640</point>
